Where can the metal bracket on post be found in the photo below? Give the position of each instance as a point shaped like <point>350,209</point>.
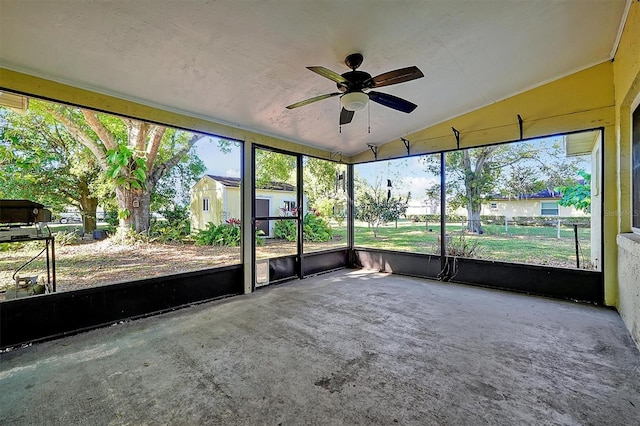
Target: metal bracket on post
<point>374,149</point>
<point>406,145</point>
<point>520,124</point>
<point>456,133</point>
<point>333,155</point>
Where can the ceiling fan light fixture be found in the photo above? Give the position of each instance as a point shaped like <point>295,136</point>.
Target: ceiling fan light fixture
<point>354,101</point>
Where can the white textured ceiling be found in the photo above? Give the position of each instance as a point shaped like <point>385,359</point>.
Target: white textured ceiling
<point>241,62</point>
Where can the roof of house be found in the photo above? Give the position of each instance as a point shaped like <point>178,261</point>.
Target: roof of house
<point>545,193</point>
<point>235,182</point>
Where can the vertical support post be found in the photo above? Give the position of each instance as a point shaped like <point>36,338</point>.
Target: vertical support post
<point>248,216</point>
<point>53,262</point>
<point>558,229</point>
<point>443,214</point>
<point>426,218</point>
<point>350,212</point>
<point>575,234</point>
<point>299,210</point>
<point>46,246</point>
<point>506,225</point>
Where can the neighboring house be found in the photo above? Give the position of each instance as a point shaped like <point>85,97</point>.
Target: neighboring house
<point>422,207</point>
<point>217,198</point>
<point>543,203</point>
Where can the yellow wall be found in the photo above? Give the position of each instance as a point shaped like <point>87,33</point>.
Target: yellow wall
<point>584,100</point>
<point>626,73</point>
<point>626,78</point>
<point>233,204</point>
<point>214,191</point>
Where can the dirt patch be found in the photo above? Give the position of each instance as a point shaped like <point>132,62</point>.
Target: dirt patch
<point>92,263</point>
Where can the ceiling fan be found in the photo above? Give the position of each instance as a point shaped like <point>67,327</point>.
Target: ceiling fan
<point>354,88</point>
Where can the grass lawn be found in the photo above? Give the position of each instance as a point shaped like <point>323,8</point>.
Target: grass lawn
<point>90,263</point>
<point>523,244</point>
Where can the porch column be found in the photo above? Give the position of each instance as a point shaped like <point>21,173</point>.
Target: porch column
<point>247,216</point>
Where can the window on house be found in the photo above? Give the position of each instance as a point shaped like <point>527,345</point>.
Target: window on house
<point>549,208</point>
<point>205,204</point>
<point>493,206</point>
<point>289,206</point>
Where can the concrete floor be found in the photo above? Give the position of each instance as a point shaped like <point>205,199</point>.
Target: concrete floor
<point>348,347</point>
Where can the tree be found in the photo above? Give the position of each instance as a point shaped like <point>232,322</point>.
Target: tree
<point>173,188</point>
<point>47,164</point>
<point>325,187</point>
<point>475,173</point>
<point>273,166</point>
<point>578,195</point>
<point>133,154</point>
<point>522,180</point>
<point>376,206</point>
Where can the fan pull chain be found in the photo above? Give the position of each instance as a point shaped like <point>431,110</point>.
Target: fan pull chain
<point>369,114</point>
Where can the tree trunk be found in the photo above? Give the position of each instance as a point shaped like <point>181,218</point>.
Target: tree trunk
<point>89,207</point>
<point>474,205</point>
<point>474,220</point>
<point>137,203</point>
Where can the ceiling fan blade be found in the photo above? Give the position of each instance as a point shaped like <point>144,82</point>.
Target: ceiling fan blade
<point>331,75</point>
<point>312,100</point>
<point>397,76</point>
<point>346,116</point>
<point>392,101</point>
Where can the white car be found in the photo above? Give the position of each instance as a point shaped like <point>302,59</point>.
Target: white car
<point>66,217</point>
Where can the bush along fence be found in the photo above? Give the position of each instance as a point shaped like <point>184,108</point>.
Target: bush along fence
<point>581,221</point>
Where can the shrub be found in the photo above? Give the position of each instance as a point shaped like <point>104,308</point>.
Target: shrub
<point>492,220</point>
<point>128,237</point>
<point>66,238</point>
<point>174,227</point>
<point>435,218</point>
<point>225,234</point>
<point>285,230</point>
<point>462,247</point>
<point>315,228</point>
<point>165,233</point>
<point>111,217</point>
<point>551,221</point>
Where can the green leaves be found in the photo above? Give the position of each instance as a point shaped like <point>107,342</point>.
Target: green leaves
<point>579,195</point>
<point>126,167</point>
<point>219,235</point>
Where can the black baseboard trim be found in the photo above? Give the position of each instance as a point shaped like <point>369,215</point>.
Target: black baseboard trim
<point>562,283</point>
<point>48,316</point>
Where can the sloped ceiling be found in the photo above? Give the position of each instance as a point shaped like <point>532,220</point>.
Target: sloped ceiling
<point>240,62</point>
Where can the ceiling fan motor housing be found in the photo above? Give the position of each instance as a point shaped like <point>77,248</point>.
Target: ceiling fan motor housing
<point>356,81</point>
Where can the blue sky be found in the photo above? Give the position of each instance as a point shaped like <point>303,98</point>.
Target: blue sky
<point>217,162</point>
<point>407,174</point>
